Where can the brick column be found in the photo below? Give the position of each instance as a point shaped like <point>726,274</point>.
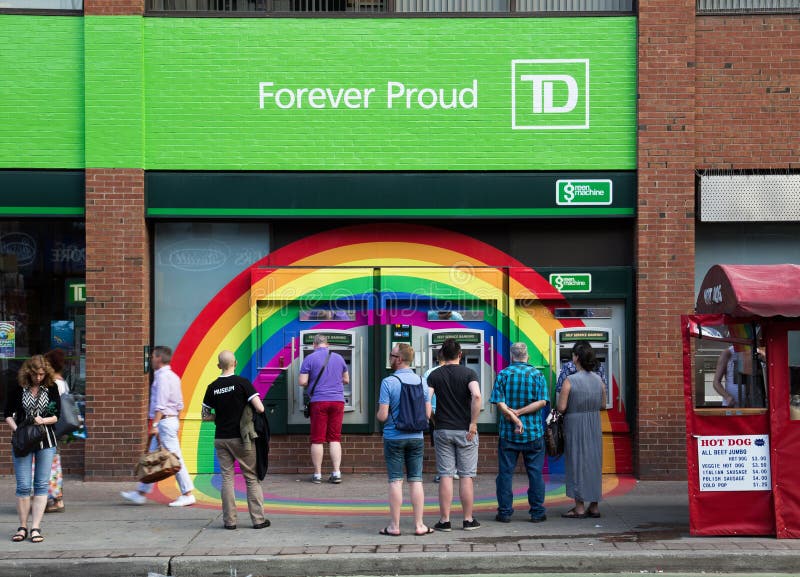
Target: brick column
<point>665,230</point>
<point>117,321</point>
<point>113,7</point>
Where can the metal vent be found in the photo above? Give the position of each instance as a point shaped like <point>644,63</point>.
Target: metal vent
<point>743,6</point>
<point>751,198</point>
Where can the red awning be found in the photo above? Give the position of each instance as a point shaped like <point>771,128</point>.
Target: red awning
<point>770,290</point>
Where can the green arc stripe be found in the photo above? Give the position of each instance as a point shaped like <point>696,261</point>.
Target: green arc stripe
<point>382,212</point>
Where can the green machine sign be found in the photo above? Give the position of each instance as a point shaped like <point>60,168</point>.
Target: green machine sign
<point>390,94</point>
<point>583,192</point>
<point>572,282</point>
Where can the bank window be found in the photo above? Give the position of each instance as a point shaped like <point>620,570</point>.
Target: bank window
<point>729,373</point>
<point>794,375</point>
<point>42,4</point>
<point>747,6</point>
<point>333,311</point>
<point>193,262</point>
<point>583,313</point>
<point>43,296</point>
<point>322,7</point>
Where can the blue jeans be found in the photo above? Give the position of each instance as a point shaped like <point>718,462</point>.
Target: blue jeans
<point>408,452</point>
<point>533,455</point>
<point>40,479</point>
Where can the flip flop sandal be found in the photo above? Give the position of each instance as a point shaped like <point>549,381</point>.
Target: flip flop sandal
<point>20,535</point>
<point>37,538</point>
<point>593,515</point>
<point>385,531</point>
<point>571,514</point>
<point>428,532</point>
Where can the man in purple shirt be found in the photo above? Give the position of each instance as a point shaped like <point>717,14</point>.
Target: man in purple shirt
<point>166,403</point>
<point>325,374</point>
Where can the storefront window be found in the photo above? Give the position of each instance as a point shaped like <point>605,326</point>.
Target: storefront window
<point>794,375</point>
<point>43,4</point>
<point>42,295</point>
<point>193,261</point>
<point>727,372</point>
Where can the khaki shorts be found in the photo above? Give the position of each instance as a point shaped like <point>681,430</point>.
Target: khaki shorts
<point>454,454</point>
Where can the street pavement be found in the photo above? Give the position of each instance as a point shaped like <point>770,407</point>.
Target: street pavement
<point>333,530</point>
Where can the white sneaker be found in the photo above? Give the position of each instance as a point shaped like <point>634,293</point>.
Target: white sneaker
<point>134,497</point>
<point>183,501</point>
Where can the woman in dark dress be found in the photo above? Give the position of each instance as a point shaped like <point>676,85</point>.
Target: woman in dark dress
<point>582,397</point>
<point>35,399</point>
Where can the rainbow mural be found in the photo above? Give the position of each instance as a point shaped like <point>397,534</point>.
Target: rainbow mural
<point>418,259</point>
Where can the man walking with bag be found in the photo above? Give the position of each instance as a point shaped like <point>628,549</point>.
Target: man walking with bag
<point>404,407</point>
<point>166,403</point>
<point>325,374</point>
<point>227,397</point>
<point>520,393</point>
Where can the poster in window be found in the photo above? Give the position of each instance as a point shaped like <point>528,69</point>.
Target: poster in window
<point>7,340</point>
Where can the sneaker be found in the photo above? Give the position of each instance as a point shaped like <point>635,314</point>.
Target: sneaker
<point>263,525</point>
<point>335,479</point>
<point>443,526</point>
<point>134,497</point>
<point>541,519</point>
<point>436,479</point>
<point>502,518</point>
<point>470,525</point>
<point>183,501</point>
<point>456,477</point>
<point>316,479</point>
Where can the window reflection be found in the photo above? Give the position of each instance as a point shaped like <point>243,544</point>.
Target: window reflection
<point>794,375</point>
<point>451,315</point>
<point>327,314</point>
<point>728,372</point>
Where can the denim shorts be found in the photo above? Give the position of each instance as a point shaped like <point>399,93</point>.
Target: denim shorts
<point>27,478</point>
<point>408,452</point>
<point>454,454</point>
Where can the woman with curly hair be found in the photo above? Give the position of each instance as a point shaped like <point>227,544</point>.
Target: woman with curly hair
<point>35,400</point>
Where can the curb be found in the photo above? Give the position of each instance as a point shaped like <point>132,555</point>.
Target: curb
<point>110,567</point>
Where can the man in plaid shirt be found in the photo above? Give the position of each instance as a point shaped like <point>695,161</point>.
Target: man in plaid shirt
<point>520,393</point>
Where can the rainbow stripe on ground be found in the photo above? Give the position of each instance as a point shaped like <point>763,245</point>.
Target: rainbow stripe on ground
<point>208,496</point>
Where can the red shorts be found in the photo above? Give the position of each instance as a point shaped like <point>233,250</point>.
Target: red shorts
<point>326,421</point>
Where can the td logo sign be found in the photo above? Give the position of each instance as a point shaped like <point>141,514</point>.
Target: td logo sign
<point>549,94</point>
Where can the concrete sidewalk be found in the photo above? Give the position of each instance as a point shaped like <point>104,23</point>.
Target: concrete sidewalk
<point>333,529</point>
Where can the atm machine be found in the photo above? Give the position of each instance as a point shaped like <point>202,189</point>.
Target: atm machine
<point>600,340</point>
<point>350,345</point>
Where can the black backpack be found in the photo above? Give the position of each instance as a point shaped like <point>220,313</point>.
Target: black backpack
<point>411,416</point>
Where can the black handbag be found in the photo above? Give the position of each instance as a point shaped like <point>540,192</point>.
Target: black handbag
<point>554,435</point>
<point>26,438</point>
<point>69,420</point>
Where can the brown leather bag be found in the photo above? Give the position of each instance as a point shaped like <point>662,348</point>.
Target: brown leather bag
<point>158,464</point>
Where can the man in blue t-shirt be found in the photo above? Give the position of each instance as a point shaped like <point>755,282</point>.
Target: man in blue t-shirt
<point>326,405</point>
<point>520,393</point>
<point>401,448</point>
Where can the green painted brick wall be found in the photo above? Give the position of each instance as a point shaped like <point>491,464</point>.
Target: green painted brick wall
<point>183,93</point>
<point>41,92</point>
<point>114,92</point>
<point>203,75</point>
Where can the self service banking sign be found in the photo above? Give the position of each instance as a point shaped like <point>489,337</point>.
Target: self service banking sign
<point>391,94</point>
